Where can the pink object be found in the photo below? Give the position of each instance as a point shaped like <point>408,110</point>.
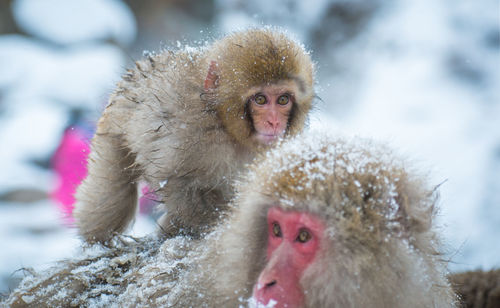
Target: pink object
<point>70,164</point>
<point>148,200</point>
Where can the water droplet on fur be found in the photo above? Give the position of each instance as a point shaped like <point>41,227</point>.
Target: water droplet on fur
<point>163,183</point>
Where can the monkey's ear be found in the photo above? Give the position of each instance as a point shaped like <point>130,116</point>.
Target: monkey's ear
<point>212,80</point>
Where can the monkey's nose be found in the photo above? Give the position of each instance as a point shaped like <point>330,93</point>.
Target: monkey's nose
<point>265,283</point>
<point>274,124</point>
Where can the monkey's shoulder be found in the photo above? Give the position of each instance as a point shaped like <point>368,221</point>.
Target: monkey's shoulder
<point>183,62</point>
<point>165,78</point>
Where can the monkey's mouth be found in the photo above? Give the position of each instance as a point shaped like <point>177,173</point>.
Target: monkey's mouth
<point>267,138</point>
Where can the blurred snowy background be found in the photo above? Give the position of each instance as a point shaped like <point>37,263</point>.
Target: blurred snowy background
<point>422,75</point>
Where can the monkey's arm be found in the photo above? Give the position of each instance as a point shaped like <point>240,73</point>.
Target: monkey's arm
<point>107,198</point>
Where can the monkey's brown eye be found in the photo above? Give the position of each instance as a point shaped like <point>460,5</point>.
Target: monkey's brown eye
<point>276,230</point>
<point>283,99</point>
<point>260,99</point>
<point>303,236</point>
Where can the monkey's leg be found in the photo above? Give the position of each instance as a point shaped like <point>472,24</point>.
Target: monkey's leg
<point>107,198</point>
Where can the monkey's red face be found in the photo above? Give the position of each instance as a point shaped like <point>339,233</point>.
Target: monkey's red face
<point>294,239</point>
<point>270,109</point>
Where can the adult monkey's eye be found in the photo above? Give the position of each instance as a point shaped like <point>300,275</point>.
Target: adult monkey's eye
<point>260,99</point>
<point>303,236</point>
<point>283,99</point>
<point>276,229</point>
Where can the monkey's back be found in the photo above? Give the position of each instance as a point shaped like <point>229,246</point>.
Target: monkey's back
<point>175,136</point>
<point>131,274</point>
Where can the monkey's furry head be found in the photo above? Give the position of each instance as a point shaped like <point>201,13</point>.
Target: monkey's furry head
<point>379,219</point>
<point>357,185</point>
<point>259,57</point>
<point>357,180</point>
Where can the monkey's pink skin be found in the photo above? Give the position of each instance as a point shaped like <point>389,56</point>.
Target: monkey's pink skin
<point>294,238</point>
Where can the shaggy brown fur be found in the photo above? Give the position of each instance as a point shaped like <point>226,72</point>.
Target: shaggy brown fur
<point>381,248</point>
<point>186,142</point>
<point>477,289</point>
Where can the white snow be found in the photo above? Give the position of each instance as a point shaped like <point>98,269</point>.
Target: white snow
<point>80,76</point>
<point>75,21</point>
<point>28,131</point>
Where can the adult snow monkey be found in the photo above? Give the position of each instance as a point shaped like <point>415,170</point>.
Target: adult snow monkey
<point>324,222</point>
<point>317,222</point>
<point>186,122</point>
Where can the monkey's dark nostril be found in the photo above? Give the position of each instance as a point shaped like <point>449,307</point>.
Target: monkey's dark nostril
<point>270,284</point>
